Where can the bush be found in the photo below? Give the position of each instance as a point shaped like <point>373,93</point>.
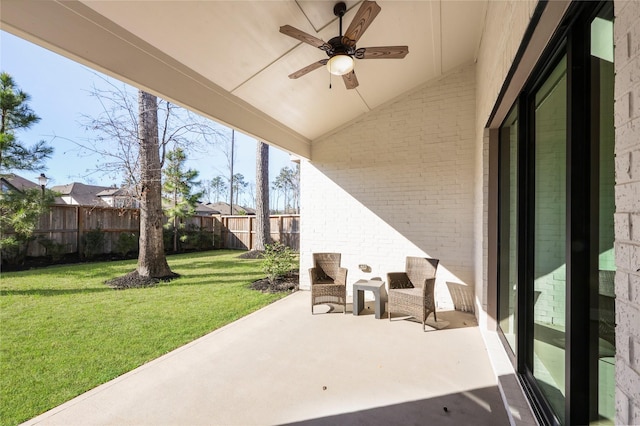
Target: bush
<point>52,248</point>
<point>13,251</point>
<point>93,242</point>
<point>189,238</point>
<point>278,261</point>
<point>127,243</point>
<point>198,238</point>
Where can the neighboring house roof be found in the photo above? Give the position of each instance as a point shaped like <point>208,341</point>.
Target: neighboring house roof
<point>223,208</point>
<point>112,192</point>
<point>81,194</point>
<point>18,183</point>
<point>205,210</point>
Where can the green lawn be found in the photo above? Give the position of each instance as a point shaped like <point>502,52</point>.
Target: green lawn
<point>64,332</point>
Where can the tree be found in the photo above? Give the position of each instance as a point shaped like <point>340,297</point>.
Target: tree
<point>152,262</point>
<point>115,133</point>
<point>239,185</point>
<point>219,187</point>
<point>179,201</point>
<point>19,210</point>
<point>263,229</point>
<point>288,183</point>
<point>15,115</point>
<point>214,189</point>
<point>132,144</point>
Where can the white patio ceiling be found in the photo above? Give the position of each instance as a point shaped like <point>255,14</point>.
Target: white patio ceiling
<point>228,61</point>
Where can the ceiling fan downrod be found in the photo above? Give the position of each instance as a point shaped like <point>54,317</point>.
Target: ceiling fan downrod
<point>339,10</point>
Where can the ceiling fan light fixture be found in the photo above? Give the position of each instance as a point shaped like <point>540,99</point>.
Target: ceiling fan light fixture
<point>340,64</point>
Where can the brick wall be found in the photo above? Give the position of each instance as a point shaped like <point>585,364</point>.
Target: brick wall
<point>627,217</point>
<point>399,182</point>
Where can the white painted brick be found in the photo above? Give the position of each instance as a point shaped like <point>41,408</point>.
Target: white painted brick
<point>633,293</point>
<point>628,196</point>
<point>622,407</point>
<point>627,121</point>
<point>622,286</point>
<point>626,134</point>
<point>628,380</point>
<point>407,170</point>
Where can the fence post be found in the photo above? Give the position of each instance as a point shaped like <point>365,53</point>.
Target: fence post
<point>79,225</point>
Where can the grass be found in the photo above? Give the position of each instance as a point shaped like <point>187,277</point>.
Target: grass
<point>63,332</point>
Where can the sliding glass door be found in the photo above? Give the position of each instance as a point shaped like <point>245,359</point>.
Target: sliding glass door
<point>555,257</point>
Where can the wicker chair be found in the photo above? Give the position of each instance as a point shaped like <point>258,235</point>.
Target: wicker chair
<point>328,281</point>
<point>412,292</point>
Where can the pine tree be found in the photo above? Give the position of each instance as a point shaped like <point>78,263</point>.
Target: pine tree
<point>179,201</point>
<point>19,210</point>
<point>15,115</point>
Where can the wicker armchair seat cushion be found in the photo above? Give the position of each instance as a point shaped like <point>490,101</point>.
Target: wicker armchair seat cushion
<point>323,281</point>
<point>408,301</point>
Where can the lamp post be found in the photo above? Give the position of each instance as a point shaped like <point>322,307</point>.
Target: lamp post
<point>42,179</point>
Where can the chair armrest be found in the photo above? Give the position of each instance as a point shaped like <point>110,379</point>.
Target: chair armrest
<point>398,280</point>
<point>341,277</point>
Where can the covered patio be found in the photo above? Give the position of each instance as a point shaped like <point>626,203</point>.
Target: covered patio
<point>414,161</point>
<point>282,365</point>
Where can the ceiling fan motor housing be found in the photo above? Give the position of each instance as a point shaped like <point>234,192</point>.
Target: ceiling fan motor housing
<point>338,47</point>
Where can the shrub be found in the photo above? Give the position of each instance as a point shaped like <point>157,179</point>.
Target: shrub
<point>13,251</point>
<point>52,248</point>
<point>198,238</point>
<point>93,242</point>
<point>278,261</point>
<point>127,242</point>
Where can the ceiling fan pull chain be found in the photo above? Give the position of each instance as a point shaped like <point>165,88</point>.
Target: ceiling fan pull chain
<point>330,80</point>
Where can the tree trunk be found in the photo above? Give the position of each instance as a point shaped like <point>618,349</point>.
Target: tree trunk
<point>151,260</point>
<point>175,223</point>
<point>263,228</point>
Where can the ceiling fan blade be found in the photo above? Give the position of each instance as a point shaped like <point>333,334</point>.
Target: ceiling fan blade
<point>302,36</point>
<point>365,15</point>
<point>308,69</point>
<point>383,52</point>
<point>350,80</point>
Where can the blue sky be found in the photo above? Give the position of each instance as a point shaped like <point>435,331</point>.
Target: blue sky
<point>59,95</point>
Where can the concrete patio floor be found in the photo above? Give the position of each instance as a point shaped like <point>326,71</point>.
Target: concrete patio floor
<point>282,365</point>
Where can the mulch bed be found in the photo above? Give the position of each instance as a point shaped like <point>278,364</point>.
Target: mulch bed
<point>287,284</point>
<point>134,280</point>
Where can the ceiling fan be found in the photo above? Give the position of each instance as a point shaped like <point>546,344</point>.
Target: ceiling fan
<point>342,49</point>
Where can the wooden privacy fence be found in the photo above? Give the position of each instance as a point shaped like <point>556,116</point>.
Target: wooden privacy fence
<point>69,226</point>
<point>239,232</point>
